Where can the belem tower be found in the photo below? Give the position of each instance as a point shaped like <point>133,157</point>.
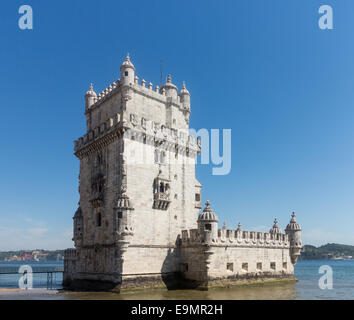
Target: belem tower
<point>137,223</point>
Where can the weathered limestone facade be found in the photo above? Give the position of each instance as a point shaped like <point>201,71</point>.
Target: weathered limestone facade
<point>137,224</point>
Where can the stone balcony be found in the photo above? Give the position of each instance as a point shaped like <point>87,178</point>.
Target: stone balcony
<point>161,200</point>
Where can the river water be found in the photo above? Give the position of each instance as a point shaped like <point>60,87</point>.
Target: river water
<point>307,272</point>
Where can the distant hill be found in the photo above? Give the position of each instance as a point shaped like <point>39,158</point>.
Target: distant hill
<point>327,251</point>
<point>32,255</point>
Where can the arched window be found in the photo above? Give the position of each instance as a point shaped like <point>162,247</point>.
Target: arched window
<point>162,188</point>
<point>156,156</point>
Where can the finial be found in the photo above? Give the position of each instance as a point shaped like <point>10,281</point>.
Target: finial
<point>169,79</point>
<point>90,91</point>
<point>207,203</point>
<point>224,226</point>
<point>183,85</point>
<point>239,226</point>
<point>293,220</point>
<point>128,57</point>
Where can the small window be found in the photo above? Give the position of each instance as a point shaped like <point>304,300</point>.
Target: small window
<point>230,266</point>
<point>126,73</point>
<point>285,265</point>
<point>259,265</point>
<point>208,227</point>
<point>197,197</point>
<point>272,265</point>
<point>99,219</point>
<point>245,266</point>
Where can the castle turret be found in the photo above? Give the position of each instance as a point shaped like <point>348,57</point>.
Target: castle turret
<point>123,224</point>
<point>127,71</point>
<point>293,230</point>
<point>90,97</point>
<point>275,229</point>
<point>208,224</point>
<point>185,97</point>
<point>169,88</point>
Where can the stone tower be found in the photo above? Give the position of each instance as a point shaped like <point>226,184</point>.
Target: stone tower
<point>137,183</point>
<point>137,223</point>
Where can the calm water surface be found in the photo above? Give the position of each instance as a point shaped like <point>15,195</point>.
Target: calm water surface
<point>306,288</point>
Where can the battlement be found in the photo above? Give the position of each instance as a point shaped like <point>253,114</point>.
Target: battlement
<point>171,136</point>
<point>232,237</point>
<point>156,93</point>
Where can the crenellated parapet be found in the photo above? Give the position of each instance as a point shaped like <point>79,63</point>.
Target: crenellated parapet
<point>138,129</point>
<point>231,237</point>
<point>167,94</point>
<point>208,234</point>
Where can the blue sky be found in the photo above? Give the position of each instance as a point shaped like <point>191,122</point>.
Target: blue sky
<point>261,68</point>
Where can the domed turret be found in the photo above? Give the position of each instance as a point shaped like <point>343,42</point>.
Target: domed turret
<point>185,96</point>
<point>208,214</point>
<point>293,230</point>
<point>127,71</point>
<point>208,224</point>
<point>90,97</point>
<point>275,229</point>
<point>123,215</point>
<point>293,225</point>
<point>170,89</point>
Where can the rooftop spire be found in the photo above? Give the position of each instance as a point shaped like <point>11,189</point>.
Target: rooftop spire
<point>293,225</point>
<point>184,89</point>
<point>127,63</point>
<point>275,228</point>
<point>293,217</point>
<point>90,92</point>
<point>239,226</point>
<point>207,214</point>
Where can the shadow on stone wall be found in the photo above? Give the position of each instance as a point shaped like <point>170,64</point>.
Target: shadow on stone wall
<point>175,279</point>
<point>169,268</point>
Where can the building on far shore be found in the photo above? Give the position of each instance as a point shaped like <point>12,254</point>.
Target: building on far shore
<point>137,223</point>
